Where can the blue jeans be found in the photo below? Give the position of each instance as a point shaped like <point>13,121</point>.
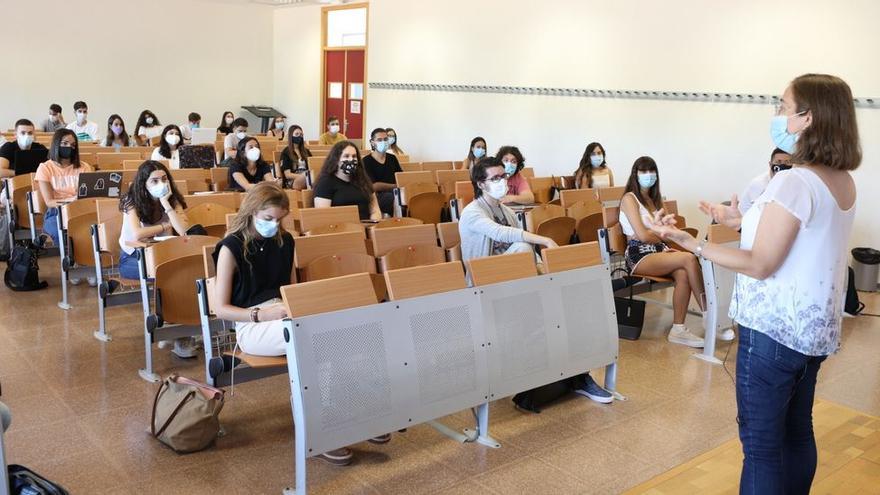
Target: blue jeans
<point>128,266</point>
<point>50,224</point>
<point>775,387</point>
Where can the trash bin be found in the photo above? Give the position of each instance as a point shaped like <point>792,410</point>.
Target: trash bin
<point>866,264</point>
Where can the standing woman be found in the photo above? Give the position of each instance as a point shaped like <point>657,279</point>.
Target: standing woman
<point>226,121</point>
<point>294,159</point>
<point>116,136</point>
<point>58,178</point>
<point>789,292</point>
<point>393,148</point>
<point>592,170</point>
<point>476,151</point>
<point>169,145</point>
<point>146,128</point>
<point>343,181</point>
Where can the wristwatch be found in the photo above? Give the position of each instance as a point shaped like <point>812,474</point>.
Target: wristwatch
<point>255,315</point>
<point>699,250</point>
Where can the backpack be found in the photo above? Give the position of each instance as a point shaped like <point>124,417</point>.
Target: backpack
<point>532,400</point>
<point>851,304</point>
<point>23,481</point>
<point>4,236</point>
<point>22,270</point>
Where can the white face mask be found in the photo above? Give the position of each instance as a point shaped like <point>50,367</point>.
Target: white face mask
<point>172,139</point>
<point>159,190</point>
<point>253,154</point>
<point>229,120</point>
<point>81,117</point>
<point>24,141</point>
<point>497,190</point>
<point>241,135</point>
<point>334,128</point>
<point>149,120</point>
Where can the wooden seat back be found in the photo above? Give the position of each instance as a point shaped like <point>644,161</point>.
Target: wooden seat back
<point>220,178</point>
<point>412,255</point>
<point>423,280</point>
<point>176,247</point>
<point>208,261</point>
<point>115,158</point>
<point>671,207</point>
<point>610,194</point>
<point>560,229</point>
<point>541,213</point>
<point>174,283</point>
<point>447,179</point>
<point>569,197</point>
<point>611,221</point>
<point>436,166</point>
<point>719,234</point>
<point>464,193</point>
<point>331,294</point>
<point>581,210</point>
<point>310,248</point>
<point>427,207</point>
<point>411,167</point>
<point>228,200</point>
<point>542,188</point>
<point>211,216</point>
<point>588,227</point>
<point>392,222</point>
<point>312,218</point>
<point>527,172</point>
<point>336,228</point>
<point>337,265</point>
<point>496,269</point>
<point>450,240</point>
<point>404,179</point>
<point>19,186</point>
<point>386,240</point>
<point>571,257</point>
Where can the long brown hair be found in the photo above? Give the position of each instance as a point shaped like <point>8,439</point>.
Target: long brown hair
<point>832,139</point>
<point>331,164</point>
<point>585,167</point>
<point>261,196</point>
<point>645,164</point>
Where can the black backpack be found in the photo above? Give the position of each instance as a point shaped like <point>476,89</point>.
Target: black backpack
<point>22,270</point>
<point>23,481</point>
<point>532,400</point>
<point>852,305</point>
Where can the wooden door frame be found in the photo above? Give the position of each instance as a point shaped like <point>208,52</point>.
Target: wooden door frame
<point>325,48</point>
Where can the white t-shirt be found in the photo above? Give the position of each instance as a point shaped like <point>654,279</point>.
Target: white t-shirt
<point>85,132</point>
<point>151,131</point>
<point>174,162</point>
<point>126,234</point>
<point>186,129</point>
<point>753,191</point>
<point>230,141</point>
<point>800,306</point>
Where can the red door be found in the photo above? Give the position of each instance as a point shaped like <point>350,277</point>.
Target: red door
<point>344,90</point>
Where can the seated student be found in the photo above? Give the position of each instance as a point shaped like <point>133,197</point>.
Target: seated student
<point>647,254</point>
<point>225,126</point>
<point>592,170</point>
<point>169,145</point>
<point>332,136</point>
<point>230,142</point>
<point>294,159</point>
<point>24,140</point>
<point>248,167</point>
<point>55,120</point>
<point>152,207</point>
<point>519,191</point>
<point>82,128</point>
<point>393,148</point>
<point>146,128</point>
<point>779,161</point>
<point>488,227</point>
<point>381,167</point>
<point>344,182</point>
<point>194,121</point>
<point>278,129</point>
<point>116,136</point>
<point>58,179</point>
<point>476,152</point>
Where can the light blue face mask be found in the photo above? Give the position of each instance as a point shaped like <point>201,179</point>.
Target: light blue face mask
<point>781,137</point>
<point>194,125</point>
<point>381,146</point>
<point>647,180</point>
<point>597,160</point>
<point>479,153</point>
<point>266,228</point>
<point>391,140</point>
<point>509,168</point>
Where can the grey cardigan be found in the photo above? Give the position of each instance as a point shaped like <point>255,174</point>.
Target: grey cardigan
<point>478,228</point>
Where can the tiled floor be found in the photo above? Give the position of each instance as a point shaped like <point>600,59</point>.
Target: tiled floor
<point>81,416</point>
<point>849,459</point>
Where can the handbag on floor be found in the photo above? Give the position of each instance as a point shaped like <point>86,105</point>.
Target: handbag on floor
<point>532,400</point>
<point>23,481</point>
<point>630,312</point>
<point>186,414</point>
<point>23,269</point>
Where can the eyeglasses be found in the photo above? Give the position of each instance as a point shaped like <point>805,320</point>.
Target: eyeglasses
<point>497,178</point>
<point>777,109</point>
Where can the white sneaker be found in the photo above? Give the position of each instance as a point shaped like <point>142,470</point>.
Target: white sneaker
<point>726,336</point>
<point>679,334</point>
<point>185,348</point>
<point>165,343</point>
<point>74,281</point>
<point>93,281</point>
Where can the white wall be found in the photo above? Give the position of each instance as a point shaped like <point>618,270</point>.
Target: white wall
<point>704,150</point>
<point>297,51</point>
<point>170,56</point>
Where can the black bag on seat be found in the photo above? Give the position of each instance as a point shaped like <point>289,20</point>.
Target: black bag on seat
<point>22,270</point>
<point>532,400</point>
<point>23,481</point>
<point>852,305</point>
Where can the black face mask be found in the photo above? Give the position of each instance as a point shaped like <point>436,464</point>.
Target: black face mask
<point>297,140</point>
<point>65,152</point>
<point>348,166</point>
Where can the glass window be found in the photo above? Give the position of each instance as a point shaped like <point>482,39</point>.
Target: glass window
<point>347,27</point>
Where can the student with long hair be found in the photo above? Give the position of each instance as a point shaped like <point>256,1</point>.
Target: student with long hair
<point>169,146</point>
<point>519,190</point>
<point>393,146</point>
<point>146,128</point>
<point>116,137</point>
<point>152,207</point>
<point>248,167</point>
<point>343,182</point>
<point>476,152</point>
<point>294,159</point>
<point>647,254</point>
<point>278,130</point>
<point>225,125</point>
<point>58,178</point>
<point>592,170</point>
<point>791,279</point>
